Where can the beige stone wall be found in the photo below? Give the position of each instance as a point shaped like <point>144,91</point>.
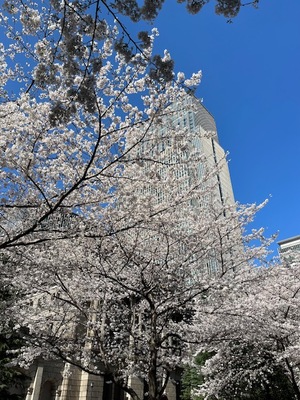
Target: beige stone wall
<point>55,380</point>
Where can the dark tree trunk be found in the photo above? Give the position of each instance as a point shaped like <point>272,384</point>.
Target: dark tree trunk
<point>293,379</point>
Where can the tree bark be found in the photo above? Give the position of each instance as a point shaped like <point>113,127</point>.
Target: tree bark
<point>293,379</point>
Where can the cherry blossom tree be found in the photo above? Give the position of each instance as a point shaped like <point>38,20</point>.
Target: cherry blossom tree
<point>148,10</point>
<point>129,295</point>
<point>133,303</point>
<point>112,229</point>
<point>68,108</point>
<point>69,33</point>
<point>255,335</point>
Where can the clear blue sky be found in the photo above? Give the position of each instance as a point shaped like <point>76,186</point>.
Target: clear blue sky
<point>251,85</point>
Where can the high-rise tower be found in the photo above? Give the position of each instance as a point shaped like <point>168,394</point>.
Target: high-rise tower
<point>192,115</point>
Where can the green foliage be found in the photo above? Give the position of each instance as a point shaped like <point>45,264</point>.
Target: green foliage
<point>192,377</point>
<point>10,377</point>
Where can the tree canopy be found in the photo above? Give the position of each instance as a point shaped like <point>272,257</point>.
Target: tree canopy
<point>114,232</point>
<point>148,10</point>
<point>255,336</point>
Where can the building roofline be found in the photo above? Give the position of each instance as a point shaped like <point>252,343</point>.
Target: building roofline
<point>291,239</point>
<point>201,103</point>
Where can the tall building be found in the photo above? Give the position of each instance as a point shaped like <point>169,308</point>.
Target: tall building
<point>193,116</point>
<point>190,116</point>
<point>201,122</point>
<point>290,244</point>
